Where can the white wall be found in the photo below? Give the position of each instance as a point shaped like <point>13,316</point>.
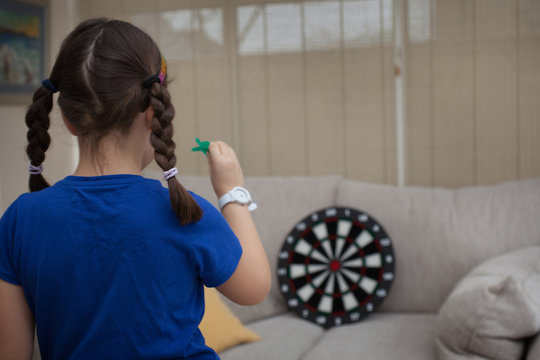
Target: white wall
<point>62,155</point>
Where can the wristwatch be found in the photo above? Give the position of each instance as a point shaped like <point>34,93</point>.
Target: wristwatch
<point>238,195</point>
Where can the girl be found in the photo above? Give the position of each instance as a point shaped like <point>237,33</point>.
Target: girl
<point>107,264</point>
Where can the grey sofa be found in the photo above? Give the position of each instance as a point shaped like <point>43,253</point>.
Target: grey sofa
<point>467,280</point>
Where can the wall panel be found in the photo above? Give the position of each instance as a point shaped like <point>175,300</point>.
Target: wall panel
<point>528,58</point>
<point>324,112</point>
<point>496,91</point>
<point>420,114</point>
<point>364,134</point>
<point>388,93</point>
<point>213,102</point>
<point>253,104</point>
<point>323,87</point>
<point>286,115</point>
<point>253,96</point>
<point>419,92</point>
<point>453,95</point>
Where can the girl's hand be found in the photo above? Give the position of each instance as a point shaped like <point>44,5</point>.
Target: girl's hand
<point>225,170</point>
<point>251,280</point>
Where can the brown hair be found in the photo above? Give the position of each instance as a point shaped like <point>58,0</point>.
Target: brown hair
<point>99,72</point>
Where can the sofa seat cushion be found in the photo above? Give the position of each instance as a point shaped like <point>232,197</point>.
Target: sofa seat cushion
<point>282,337</point>
<point>493,310</point>
<point>380,336</point>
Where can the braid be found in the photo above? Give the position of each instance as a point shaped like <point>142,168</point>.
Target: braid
<point>186,208</point>
<point>37,121</point>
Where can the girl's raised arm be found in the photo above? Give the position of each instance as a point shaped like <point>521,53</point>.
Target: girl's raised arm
<point>250,283</point>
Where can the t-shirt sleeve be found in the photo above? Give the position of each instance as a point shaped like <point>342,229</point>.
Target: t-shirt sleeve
<point>217,250</point>
<point>7,242</point>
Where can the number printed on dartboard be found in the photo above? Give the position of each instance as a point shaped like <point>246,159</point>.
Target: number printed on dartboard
<point>336,266</point>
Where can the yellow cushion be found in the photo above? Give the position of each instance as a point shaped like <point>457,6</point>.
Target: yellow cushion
<point>220,327</point>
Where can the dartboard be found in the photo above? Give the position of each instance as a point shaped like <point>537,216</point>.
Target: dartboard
<point>336,266</point>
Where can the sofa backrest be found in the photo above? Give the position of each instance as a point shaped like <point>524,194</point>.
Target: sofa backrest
<point>438,234</point>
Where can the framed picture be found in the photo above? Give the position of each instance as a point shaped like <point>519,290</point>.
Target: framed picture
<point>22,49</point>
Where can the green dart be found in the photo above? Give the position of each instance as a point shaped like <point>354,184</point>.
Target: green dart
<point>203,146</point>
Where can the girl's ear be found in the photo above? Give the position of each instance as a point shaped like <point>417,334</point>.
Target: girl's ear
<point>70,126</point>
<point>148,116</point>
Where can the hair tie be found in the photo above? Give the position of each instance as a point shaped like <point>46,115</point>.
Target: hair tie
<point>35,170</point>
<point>170,173</point>
<point>151,79</point>
<point>47,84</point>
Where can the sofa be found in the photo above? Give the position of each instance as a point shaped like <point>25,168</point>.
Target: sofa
<point>467,272</point>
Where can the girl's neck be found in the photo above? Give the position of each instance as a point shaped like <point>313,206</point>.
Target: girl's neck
<point>115,154</point>
<point>94,167</point>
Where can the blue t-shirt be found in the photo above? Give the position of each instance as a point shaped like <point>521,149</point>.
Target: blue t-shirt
<point>108,271</point>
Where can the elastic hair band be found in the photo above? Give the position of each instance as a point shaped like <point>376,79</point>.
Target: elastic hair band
<point>170,173</point>
<point>34,170</point>
<point>47,84</point>
<point>151,79</point>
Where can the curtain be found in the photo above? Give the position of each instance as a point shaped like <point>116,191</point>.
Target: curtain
<point>308,87</point>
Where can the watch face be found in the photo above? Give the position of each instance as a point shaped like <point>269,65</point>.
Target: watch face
<point>241,195</point>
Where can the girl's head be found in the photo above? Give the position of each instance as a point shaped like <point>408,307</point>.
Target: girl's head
<point>106,73</point>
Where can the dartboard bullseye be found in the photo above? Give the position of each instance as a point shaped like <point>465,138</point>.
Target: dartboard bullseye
<point>336,266</point>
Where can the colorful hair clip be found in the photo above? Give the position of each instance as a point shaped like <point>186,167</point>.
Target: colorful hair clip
<point>163,71</point>
<point>160,78</point>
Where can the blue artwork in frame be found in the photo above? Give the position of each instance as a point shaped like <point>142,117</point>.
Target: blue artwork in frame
<point>22,47</point>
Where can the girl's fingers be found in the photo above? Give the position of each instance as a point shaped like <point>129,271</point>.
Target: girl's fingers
<point>225,170</point>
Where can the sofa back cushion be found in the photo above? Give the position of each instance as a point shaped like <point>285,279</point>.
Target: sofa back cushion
<point>439,235</point>
<point>282,202</point>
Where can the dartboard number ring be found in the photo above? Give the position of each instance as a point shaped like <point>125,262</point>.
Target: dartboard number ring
<point>336,266</point>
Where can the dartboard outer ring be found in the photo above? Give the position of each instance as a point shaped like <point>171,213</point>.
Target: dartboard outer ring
<point>336,266</point>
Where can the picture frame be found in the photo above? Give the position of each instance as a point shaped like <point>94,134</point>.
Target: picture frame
<point>23,34</point>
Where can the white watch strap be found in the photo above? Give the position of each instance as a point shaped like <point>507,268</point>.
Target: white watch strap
<point>228,197</point>
<point>224,200</point>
